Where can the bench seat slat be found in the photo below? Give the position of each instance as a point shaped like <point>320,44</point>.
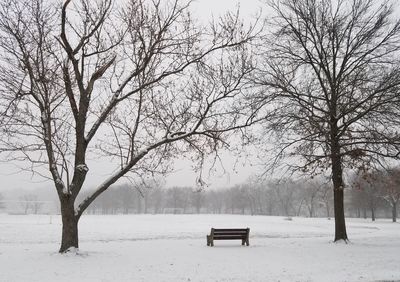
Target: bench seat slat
<point>229,238</point>
<point>230,229</point>
<point>229,232</point>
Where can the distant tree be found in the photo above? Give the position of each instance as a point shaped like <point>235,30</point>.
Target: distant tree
<point>326,197</point>
<point>126,197</point>
<point>333,66</point>
<point>366,182</point>
<point>36,204</point>
<point>311,192</point>
<point>197,199</point>
<point>108,203</point>
<point>386,183</point>
<point>157,196</point>
<point>215,201</point>
<point>390,189</point>
<point>285,193</point>
<point>358,201</point>
<point>2,203</point>
<point>28,202</point>
<point>178,198</point>
<point>135,81</point>
<point>251,192</point>
<point>239,198</point>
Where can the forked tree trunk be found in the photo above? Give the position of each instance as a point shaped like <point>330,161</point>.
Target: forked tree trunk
<point>69,225</point>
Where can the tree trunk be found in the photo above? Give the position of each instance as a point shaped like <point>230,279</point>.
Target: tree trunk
<point>340,223</point>
<point>300,206</point>
<point>372,213</point>
<point>394,212</point>
<point>338,196</point>
<point>146,204</point>
<point>328,213</point>
<point>69,225</point>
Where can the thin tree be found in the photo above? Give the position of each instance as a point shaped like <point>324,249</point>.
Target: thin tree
<point>310,193</point>
<point>134,81</point>
<point>368,190</point>
<point>392,191</point>
<point>2,203</point>
<point>333,67</point>
<point>389,185</point>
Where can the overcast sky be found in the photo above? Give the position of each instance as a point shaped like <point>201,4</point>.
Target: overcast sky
<point>232,173</point>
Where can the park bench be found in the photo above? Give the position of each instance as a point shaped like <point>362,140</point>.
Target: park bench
<point>228,234</point>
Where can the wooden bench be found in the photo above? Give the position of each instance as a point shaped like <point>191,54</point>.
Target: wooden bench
<point>228,234</point>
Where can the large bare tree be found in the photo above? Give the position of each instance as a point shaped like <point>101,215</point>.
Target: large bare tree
<point>135,81</point>
<point>333,66</point>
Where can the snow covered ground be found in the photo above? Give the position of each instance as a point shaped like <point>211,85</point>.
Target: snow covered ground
<point>173,248</point>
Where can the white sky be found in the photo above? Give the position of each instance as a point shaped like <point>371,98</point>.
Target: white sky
<point>232,173</point>
<point>184,176</point>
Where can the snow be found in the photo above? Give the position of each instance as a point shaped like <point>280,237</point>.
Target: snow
<point>82,167</point>
<point>173,248</point>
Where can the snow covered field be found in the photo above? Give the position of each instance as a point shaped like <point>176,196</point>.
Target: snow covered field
<point>173,248</point>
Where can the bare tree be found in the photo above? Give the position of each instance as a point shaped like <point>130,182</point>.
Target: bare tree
<point>334,69</point>
<point>285,193</point>
<point>358,201</point>
<point>133,81</point>
<point>26,202</point>
<point>311,192</point>
<point>391,190</point>
<point>369,192</point>
<point>2,203</point>
<point>36,204</point>
<point>197,198</point>
<point>215,200</point>
<point>382,184</point>
<point>326,196</point>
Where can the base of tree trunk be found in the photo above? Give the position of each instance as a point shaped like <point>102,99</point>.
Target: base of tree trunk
<point>342,241</point>
<point>340,222</point>
<point>69,239</point>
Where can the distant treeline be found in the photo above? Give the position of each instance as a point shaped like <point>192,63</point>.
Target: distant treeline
<point>373,194</point>
<point>286,198</point>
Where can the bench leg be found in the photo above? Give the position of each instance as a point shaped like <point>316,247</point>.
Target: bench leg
<point>243,242</point>
<point>210,241</point>
<point>247,242</point>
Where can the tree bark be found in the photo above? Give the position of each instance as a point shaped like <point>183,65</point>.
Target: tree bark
<point>69,225</point>
<point>372,212</point>
<point>338,195</point>
<point>328,214</point>
<point>394,212</point>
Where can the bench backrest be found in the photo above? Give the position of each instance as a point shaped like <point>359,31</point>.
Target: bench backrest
<point>230,232</point>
